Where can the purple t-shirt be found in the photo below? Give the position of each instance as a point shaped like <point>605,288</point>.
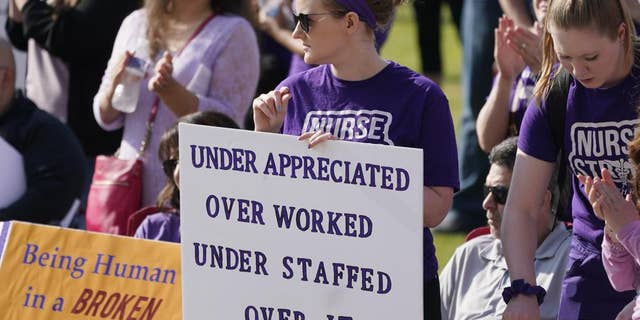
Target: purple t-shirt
<point>397,107</point>
<point>521,95</point>
<point>160,226</point>
<point>599,125</point>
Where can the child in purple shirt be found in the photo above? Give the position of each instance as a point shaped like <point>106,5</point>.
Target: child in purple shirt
<point>594,41</point>
<point>165,225</point>
<point>356,95</point>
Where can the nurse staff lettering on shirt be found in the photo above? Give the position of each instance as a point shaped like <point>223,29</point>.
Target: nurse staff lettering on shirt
<point>603,145</point>
<point>352,125</point>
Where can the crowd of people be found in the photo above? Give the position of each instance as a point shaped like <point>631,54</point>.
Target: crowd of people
<point>550,90</point>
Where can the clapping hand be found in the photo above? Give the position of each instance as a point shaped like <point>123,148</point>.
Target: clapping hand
<point>508,60</point>
<point>528,43</point>
<point>607,201</point>
<point>163,77</point>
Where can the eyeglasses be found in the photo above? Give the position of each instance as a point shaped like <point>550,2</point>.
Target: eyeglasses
<point>169,166</point>
<point>499,193</point>
<point>303,19</point>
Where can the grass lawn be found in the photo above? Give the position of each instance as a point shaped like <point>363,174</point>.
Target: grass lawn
<point>402,47</point>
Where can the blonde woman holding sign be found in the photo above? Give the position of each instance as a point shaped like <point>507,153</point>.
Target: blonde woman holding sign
<point>355,95</point>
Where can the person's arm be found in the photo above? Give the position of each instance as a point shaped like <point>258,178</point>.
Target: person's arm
<point>13,27</point>
<point>528,187</point>
<point>440,173</point>
<point>281,35</point>
<point>173,94</point>
<point>493,120</point>
<point>106,116</point>
<point>54,167</point>
<point>517,10</point>
<point>74,34</point>
<point>436,204</point>
<point>629,237</point>
<point>618,264</point>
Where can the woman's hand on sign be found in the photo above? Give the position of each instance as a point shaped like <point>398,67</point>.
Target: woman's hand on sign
<point>316,137</point>
<point>269,110</point>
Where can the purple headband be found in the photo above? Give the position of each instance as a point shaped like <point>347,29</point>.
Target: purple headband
<point>362,9</point>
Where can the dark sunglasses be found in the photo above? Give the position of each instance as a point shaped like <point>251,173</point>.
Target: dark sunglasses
<point>499,193</point>
<point>303,19</point>
<point>169,166</point>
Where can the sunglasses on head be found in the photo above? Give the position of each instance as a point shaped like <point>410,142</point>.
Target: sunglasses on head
<point>303,19</point>
<point>169,166</point>
<point>499,193</point>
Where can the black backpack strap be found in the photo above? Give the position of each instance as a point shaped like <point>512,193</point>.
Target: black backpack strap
<point>556,103</point>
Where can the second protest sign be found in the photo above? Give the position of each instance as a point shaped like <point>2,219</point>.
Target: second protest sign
<point>274,230</point>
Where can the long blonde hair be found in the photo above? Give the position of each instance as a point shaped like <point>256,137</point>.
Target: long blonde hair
<point>158,12</point>
<point>605,16</point>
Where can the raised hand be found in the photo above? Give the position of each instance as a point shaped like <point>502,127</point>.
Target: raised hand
<point>508,60</point>
<point>269,110</point>
<point>163,76</point>
<point>617,210</point>
<point>528,44</point>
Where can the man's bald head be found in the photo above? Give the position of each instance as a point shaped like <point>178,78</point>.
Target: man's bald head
<point>6,55</point>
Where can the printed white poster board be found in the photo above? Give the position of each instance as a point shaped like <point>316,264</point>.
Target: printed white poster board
<point>274,230</point>
<point>11,174</point>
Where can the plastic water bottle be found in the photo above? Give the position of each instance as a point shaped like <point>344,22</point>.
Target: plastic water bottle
<point>270,8</point>
<point>127,92</point>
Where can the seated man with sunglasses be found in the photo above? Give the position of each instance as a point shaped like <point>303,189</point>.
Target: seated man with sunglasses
<point>472,282</point>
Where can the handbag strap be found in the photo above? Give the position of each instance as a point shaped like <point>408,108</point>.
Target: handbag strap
<point>156,102</point>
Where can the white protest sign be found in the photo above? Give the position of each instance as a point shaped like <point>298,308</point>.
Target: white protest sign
<point>12,174</point>
<point>274,230</point>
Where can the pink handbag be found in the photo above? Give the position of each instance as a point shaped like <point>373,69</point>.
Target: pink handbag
<point>116,192</point>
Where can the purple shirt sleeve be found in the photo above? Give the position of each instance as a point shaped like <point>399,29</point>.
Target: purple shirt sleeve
<point>160,226</point>
<point>143,229</point>
<point>439,143</point>
<point>536,137</point>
